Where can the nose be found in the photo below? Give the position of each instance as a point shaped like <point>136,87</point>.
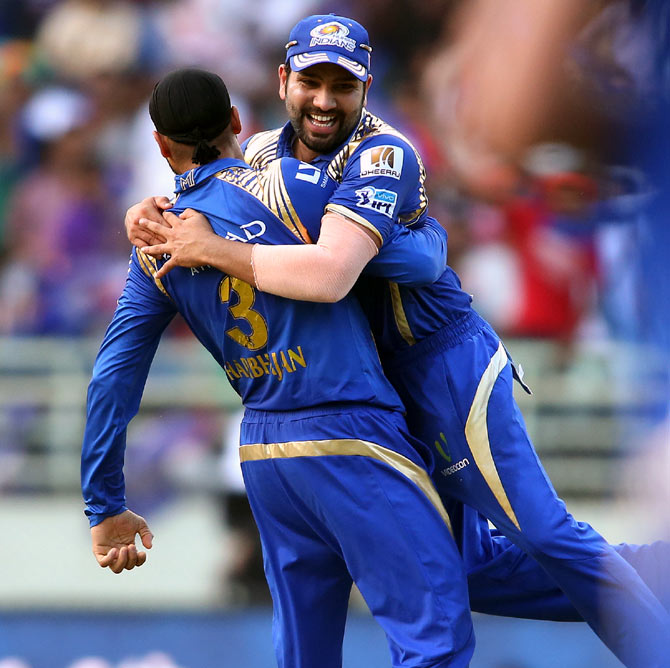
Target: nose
<point>324,99</point>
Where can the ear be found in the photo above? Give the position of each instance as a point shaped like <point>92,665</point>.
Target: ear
<point>162,142</point>
<point>235,122</point>
<point>368,83</point>
<point>283,77</point>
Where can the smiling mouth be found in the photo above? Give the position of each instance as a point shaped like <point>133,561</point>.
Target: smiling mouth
<point>323,121</point>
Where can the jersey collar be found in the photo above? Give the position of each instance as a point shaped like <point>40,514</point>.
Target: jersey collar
<point>196,176</point>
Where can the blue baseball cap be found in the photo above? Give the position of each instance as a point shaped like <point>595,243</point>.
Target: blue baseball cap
<point>327,38</point>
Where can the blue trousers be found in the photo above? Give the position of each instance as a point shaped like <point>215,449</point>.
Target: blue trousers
<point>340,495</point>
<point>457,388</point>
<point>504,580</point>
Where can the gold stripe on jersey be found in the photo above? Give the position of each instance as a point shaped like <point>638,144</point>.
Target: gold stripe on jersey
<point>280,200</point>
<point>268,186</point>
<point>370,126</point>
<point>356,217</point>
<point>244,178</point>
<point>149,266</point>
<point>477,433</point>
<point>261,149</point>
<point>401,321</point>
<point>351,448</point>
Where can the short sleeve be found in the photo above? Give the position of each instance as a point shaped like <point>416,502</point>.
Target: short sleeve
<point>381,183</point>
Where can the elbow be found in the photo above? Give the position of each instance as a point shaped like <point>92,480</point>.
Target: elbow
<point>437,271</point>
<point>330,296</point>
<point>437,263</point>
<point>430,270</point>
<point>333,286</point>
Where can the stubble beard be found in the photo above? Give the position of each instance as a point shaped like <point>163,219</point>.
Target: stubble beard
<point>318,144</point>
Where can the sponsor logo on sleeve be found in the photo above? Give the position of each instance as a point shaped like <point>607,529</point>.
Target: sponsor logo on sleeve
<point>382,201</point>
<point>382,161</point>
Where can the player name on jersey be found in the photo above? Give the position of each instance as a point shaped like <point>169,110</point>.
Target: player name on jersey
<point>275,363</point>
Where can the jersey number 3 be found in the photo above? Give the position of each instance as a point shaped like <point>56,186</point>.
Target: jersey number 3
<point>257,337</point>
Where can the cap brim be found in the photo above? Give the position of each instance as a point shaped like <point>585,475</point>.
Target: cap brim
<point>302,61</point>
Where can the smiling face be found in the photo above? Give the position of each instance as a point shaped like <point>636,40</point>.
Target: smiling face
<point>324,104</point>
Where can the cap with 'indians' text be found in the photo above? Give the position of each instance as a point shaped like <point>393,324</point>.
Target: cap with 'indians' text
<point>327,38</point>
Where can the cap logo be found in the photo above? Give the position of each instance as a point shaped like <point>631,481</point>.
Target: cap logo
<point>332,34</point>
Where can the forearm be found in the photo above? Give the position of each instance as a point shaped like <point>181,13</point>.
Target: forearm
<point>324,272</point>
<point>115,390</point>
<point>412,256</point>
<point>230,257</point>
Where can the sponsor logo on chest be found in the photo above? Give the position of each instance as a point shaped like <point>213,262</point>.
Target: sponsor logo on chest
<point>382,161</point>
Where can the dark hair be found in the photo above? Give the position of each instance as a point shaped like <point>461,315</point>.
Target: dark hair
<point>192,107</point>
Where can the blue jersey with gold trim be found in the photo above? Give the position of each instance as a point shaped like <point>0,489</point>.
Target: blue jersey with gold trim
<point>381,184</point>
<point>278,354</point>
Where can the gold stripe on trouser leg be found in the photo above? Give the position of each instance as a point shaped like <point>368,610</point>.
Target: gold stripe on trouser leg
<point>348,447</point>
<point>399,314</point>
<point>477,433</point>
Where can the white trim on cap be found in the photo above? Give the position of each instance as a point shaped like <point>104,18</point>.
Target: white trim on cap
<point>352,66</point>
<point>307,59</point>
<point>303,60</point>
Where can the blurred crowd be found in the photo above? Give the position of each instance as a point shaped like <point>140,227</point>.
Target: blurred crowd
<point>543,227</point>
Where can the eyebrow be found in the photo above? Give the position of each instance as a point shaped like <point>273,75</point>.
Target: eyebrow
<point>339,78</point>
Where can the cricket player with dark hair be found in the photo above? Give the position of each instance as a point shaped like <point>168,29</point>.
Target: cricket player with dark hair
<point>450,368</point>
<point>340,492</point>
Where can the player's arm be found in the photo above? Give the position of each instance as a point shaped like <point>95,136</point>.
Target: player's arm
<point>113,398</point>
<point>321,272</point>
<point>412,256</point>
<point>324,272</point>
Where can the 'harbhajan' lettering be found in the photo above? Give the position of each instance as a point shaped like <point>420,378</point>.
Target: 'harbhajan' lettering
<point>275,363</point>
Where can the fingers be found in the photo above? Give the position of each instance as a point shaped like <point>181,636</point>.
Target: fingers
<point>151,207</point>
<point>147,537</point>
<point>120,562</point>
<point>157,250</point>
<point>125,558</point>
<point>153,242</point>
<point>131,558</point>
<point>162,202</point>
<point>105,560</point>
<point>168,266</point>
<point>154,229</point>
<point>141,237</point>
<point>116,559</point>
<point>170,218</point>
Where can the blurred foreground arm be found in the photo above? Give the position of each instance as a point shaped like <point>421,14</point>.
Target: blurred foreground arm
<point>495,83</point>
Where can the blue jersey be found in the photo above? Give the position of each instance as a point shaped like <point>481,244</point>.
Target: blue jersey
<point>278,354</point>
<point>381,185</point>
